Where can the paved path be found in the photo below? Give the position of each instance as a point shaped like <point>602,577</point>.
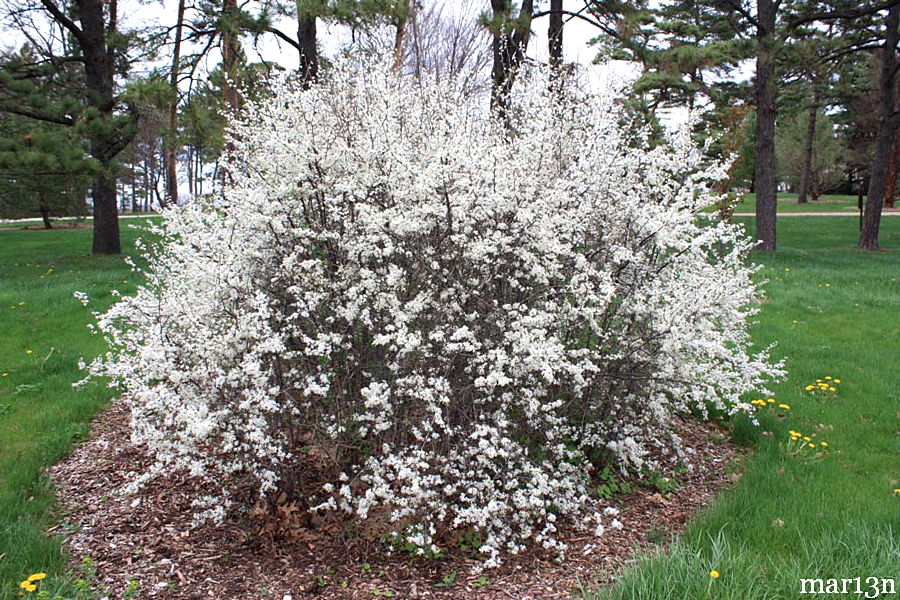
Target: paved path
<point>819,214</point>
<point>38,219</point>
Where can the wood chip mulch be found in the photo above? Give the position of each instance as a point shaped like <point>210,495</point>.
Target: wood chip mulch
<point>148,537</point>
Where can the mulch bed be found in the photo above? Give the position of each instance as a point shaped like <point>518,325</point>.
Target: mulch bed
<point>148,537</point>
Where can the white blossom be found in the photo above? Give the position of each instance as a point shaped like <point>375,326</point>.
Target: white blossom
<point>419,313</point>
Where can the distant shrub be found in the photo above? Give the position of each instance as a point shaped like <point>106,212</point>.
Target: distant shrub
<point>403,312</point>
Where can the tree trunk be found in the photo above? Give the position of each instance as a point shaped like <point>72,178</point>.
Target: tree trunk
<point>806,171</point>
<point>892,174</point>
<point>106,217</point>
<point>45,215</point>
<point>170,156</point>
<point>98,71</point>
<point>510,40</point>
<point>399,39</point>
<point>309,53</point>
<point>884,140</point>
<point>555,35</point>
<point>766,198</point>
<point>230,49</point>
<point>190,169</point>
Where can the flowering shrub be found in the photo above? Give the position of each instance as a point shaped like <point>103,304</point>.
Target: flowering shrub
<point>403,312</point>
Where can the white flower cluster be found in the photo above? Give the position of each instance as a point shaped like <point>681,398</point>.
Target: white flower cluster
<point>409,312</point>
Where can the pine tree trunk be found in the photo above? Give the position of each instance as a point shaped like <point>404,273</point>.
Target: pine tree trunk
<point>766,193</point>
<point>884,140</point>
<point>309,53</point>
<point>892,173</point>
<point>230,49</point>
<point>106,216</point>
<point>170,156</point>
<point>45,215</point>
<point>400,39</point>
<point>190,170</point>
<point>98,71</point>
<point>555,35</point>
<point>806,171</point>
<point>510,40</point>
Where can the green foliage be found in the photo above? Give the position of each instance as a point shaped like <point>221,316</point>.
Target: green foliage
<point>43,168</point>
<point>448,581</point>
<point>611,486</point>
<point>470,543</point>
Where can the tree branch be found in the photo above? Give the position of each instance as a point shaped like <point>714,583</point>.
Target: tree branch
<point>738,7</point>
<point>65,21</point>
<point>852,13</point>
<point>578,15</point>
<point>280,34</point>
<point>24,112</point>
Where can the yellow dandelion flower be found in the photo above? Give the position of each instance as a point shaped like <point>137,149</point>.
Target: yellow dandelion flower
<point>771,400</point>
<point>6,375</point>
<point>37,577</point>
<point>714,574</point>
<point>818,381</point>
<point>28,586</point>
<point>837,380</point>
<point>22,303</point>
<point>29,352</point>
<point>784,406</point>
<point>824,444</point>
<point>897,491</point>
<point>828,377</point>
<point>832,389</point>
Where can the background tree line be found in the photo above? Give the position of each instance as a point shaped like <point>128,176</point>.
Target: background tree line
<point>95,113</point>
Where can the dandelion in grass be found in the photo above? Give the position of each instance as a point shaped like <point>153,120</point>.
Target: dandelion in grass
<point>784,406</point>
<point>823,387</point>
<point>30,584</point>
<point>29,352</point>
<point>714,574</point>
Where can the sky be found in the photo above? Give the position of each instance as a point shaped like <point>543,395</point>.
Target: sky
<point>333,38</point>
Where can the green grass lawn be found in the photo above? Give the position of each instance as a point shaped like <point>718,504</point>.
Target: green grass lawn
<point>834,311</point>
<point>789,517</point>
<point>44,335</point>
<point>788,203</point>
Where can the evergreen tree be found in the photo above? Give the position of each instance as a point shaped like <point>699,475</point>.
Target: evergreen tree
<point>44,170</point>
<point>75,81</point>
